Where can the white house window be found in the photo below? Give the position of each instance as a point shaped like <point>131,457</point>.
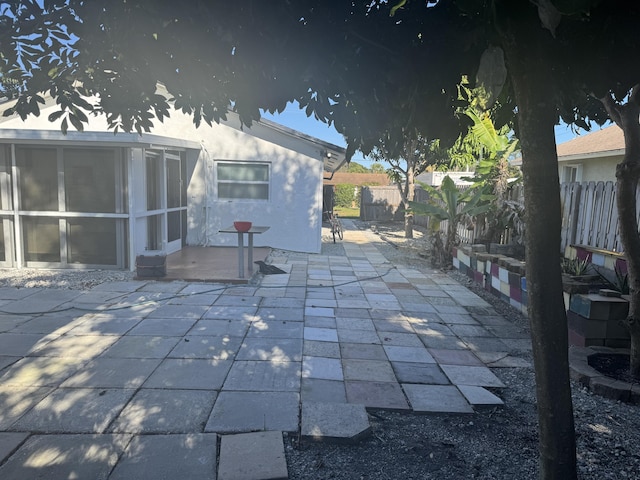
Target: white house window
<point>246,181</point>
<point>571,173</point>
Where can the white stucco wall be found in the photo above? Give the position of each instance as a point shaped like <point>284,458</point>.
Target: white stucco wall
<point>294,209</point>
<point>597,169</point>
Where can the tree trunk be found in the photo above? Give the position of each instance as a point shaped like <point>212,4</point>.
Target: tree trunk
<point>410,190</point>
<point>627,176</point>
<point>524,42</point>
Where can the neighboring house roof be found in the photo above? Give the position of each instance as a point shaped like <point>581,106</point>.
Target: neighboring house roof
<point>606,142</point>
<point>358,179</point>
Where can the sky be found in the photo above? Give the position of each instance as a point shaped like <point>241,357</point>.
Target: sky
<point>297,119</point>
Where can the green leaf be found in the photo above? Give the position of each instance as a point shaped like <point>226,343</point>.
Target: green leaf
<point>396,7</point>
<point>55,115</point>
<point>76,122</point>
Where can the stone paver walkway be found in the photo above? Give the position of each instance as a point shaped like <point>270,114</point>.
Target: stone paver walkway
<point>139,380</point>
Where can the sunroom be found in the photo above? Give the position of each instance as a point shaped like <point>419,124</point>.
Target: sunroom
<point>91,200</point>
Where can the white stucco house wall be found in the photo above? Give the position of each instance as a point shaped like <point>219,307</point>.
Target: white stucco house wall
<point>99,199</point>
<point>435,178</point>
<point>591,157</point>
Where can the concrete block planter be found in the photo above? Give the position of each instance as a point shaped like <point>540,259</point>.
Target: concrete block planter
<point>499,274</point>
<point>594,320</point>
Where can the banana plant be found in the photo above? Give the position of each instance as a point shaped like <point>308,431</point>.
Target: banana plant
<point>494,175</point>
<point>453,205</point>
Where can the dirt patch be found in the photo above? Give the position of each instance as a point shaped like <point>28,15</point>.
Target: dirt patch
<point>612,365</point>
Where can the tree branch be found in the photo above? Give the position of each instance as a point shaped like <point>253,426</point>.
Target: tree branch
<point>611,107</point>
<point>635,94</point>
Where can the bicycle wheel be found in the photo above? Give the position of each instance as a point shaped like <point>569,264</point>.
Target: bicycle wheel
<point>340,230</point>
<point>333,231</point>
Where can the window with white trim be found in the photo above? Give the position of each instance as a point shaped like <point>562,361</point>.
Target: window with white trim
<point>571,174</point>
<point>243,181</point>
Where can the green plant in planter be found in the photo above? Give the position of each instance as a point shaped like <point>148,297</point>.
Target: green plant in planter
<point>575,266</point>
<point>453,205</point>
<point>621,282</point>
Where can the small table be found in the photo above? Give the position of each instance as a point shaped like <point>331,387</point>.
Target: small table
<point>253,230</point>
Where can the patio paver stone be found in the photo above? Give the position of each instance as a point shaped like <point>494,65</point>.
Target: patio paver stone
<point>334,423</point>
<point>436,399</point>
<point>190,456</point>
<point>252,456</point>
<point>250,411</point>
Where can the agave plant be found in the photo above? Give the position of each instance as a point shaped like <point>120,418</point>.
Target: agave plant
<point>450,204</point>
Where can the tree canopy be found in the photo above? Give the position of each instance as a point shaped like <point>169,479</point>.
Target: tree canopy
<point>368,68</point>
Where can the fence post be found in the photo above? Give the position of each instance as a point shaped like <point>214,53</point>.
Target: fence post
<point>575,211</point>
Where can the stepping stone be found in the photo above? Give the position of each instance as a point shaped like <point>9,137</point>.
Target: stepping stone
<point>436,399</point>
<point>169,456</point>
<point>252,456</point>
<point>480,397</point>
<point>334,422</point>
<point>381,395</point>
<point>469,375</point>
<point>426,373</point>
<point>455,357</point>
<point>247,411</point>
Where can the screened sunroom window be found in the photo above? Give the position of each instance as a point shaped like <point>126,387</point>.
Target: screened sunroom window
<point>246,181</point>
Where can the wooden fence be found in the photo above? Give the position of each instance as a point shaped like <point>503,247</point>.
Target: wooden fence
<point>380,203</point>
<point>589,213</point>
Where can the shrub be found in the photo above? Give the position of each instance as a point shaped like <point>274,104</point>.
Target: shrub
<point>345,195</point>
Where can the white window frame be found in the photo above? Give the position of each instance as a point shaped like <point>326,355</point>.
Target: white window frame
<point>240,182</point>
<point>566,175</point>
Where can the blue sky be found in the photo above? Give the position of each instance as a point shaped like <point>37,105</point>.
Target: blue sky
<point>297,119</point>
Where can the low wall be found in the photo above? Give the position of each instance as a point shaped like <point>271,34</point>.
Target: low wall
<point>499,274</point>
<point>593,313</point>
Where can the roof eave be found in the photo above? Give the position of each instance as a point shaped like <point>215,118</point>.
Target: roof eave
<point>145,140</point>
<point>590,155</point>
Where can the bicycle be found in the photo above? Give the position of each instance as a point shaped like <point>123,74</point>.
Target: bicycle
<point>336,226</point>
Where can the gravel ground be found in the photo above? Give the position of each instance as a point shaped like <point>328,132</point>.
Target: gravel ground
<point>63,279</point>
<point>499,444</point>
